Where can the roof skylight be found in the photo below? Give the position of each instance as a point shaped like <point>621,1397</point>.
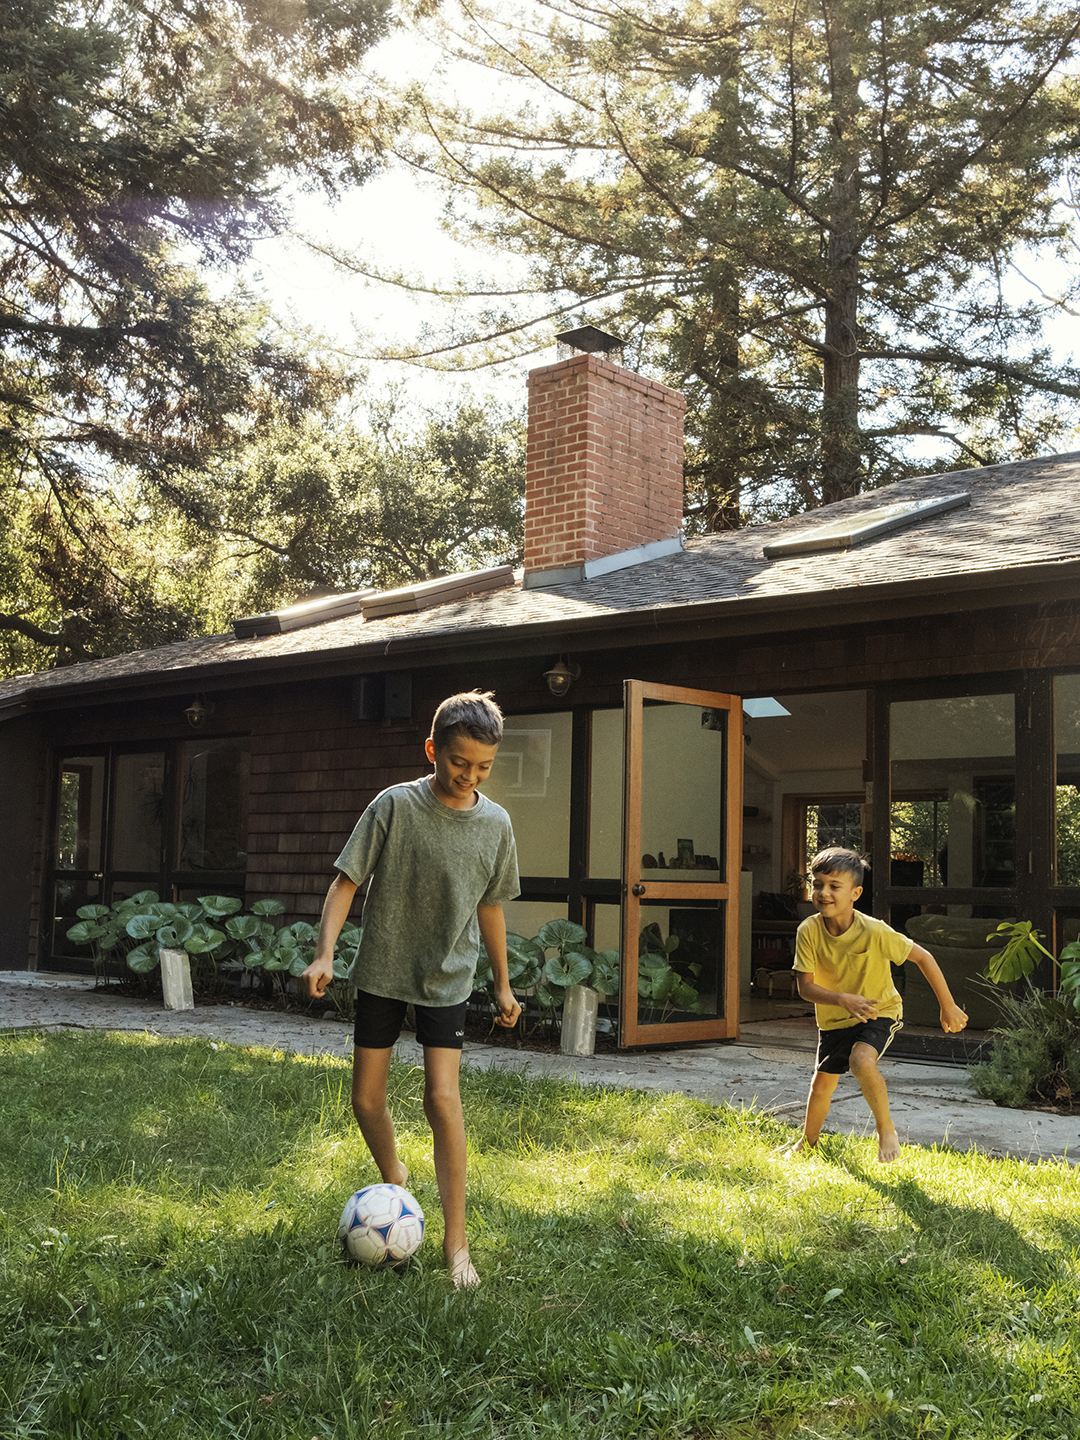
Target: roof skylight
<point>868,525</point>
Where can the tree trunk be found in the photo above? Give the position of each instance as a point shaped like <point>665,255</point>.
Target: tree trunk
<point>723,510</point>
<point>722,482</point>
<point>841,439</point>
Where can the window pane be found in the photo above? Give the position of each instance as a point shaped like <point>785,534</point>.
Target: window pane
<point>138,798</point>
<point>833,825</point>
<point>525,917</point>
<point>78,831</point>
<point>682,792</point>
<point>69,894</point>
<point>1067,790</point>
<point>920,842</point>
<point>954,791</point>
<point>530,779</point>
<point>680,960</point>
<point>680,956</point>
<point>605,795</point>
<point>214,788</point>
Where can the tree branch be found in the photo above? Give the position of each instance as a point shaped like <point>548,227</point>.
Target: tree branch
<point>30,630</point>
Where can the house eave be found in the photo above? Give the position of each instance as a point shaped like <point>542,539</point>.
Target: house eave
<point>728,618</point>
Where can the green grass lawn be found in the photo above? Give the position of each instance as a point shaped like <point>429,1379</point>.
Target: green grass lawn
<point>650,1266</point>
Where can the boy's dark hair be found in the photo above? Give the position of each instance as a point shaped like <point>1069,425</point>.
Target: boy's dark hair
<point>473,713</point>
<point>838,861</point>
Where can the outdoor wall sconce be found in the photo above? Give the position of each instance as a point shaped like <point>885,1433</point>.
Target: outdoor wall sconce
<point>561,676</point>
<point>197,712</point>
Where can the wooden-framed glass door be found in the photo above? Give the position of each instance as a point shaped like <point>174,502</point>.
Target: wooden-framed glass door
<point>681,857</point>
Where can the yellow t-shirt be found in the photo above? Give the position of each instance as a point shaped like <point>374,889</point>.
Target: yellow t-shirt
<point>856,962</point>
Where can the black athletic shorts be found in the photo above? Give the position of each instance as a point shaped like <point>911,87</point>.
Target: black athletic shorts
<point>379,1022</point>
<point>834,1046</point>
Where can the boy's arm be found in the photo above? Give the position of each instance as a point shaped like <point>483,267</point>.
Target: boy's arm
<point>953,1019</point>
<point>858,1006</point>
<point>335,912</point>
<point>492,924</point>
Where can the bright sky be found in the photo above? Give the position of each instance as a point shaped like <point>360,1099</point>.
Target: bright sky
<point>393,223</point>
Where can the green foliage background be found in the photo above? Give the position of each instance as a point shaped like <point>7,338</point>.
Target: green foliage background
<point>806,217</point>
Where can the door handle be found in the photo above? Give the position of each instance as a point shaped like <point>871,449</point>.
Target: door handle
<point>638,890</point>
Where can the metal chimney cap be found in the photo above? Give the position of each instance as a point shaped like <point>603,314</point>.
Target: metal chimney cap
<point>588,340</point>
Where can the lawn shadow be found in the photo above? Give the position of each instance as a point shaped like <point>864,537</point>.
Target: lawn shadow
<point>970,1232</point>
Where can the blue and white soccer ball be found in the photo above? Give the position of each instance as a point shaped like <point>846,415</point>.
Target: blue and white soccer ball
<point>381,1225</point>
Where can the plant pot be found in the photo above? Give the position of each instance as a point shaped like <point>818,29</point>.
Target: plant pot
<point>579,1020</point>
<point>176,979</point>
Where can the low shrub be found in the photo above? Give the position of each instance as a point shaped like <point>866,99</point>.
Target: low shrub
<point>1036,1059</point>
<point>215,936</point>
<point>543,968</point>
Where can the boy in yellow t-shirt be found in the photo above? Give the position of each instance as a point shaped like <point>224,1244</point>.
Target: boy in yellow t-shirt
<point>843,961</point>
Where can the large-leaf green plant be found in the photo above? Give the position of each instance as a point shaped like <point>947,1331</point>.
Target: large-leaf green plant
<point>547,965</point>
<point>211,931</point>
<point>103,929</point>
<point>191,926</point>
<point>1036,1058</point>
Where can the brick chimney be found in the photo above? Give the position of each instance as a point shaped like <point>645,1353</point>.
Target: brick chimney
<point>604,473</point>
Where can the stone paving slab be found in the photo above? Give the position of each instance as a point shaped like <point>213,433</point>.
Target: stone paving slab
<point>932,1104</point>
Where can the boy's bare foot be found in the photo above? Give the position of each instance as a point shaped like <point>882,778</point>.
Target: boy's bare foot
<point>400,1176</point>
<point>798,1146</point>
<point>461,1269</point>
<point>888,1148</point>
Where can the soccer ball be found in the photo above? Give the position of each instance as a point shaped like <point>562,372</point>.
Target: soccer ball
<point>381,1225</point>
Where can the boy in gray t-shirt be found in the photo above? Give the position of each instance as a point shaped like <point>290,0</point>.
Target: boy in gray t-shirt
<point>441,860</point>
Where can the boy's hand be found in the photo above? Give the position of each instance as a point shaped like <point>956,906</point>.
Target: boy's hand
<point>953,1019</point>
<point>509,1008</point>
<point>318,976</point>
<point>860,1006</point>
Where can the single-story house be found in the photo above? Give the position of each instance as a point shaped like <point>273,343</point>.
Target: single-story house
<point>687,719</point>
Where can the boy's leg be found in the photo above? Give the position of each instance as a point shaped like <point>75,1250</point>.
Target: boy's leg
<point>817,1107</point>
<point>864,1066</point>
<point>370,1071</point>
<point>442,1106</point>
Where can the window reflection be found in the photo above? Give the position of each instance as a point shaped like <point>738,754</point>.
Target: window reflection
<point>682,792</point>
<point>952,817</point>
<point>78,830</point>
<point>214,784</point>
<point>1067,788</point>
<point>680,961</point>
<point>530,779</point>
<point>138,811</point>
<point>605,795</point>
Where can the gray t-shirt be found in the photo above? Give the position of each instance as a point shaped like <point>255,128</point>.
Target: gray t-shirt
<point>430,867</point>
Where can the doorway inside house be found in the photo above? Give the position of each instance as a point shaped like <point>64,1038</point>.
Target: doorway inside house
<point>803,789</point>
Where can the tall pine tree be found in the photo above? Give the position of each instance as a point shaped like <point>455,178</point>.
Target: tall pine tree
<point>810,215</point>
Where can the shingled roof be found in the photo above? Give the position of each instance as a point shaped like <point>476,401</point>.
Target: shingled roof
<point>1022,523</point>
